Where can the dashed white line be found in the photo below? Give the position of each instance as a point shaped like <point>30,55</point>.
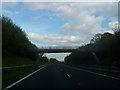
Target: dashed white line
<point>68,75</point>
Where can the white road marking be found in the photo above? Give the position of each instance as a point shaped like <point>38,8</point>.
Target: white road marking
<point>68,75</point>
<point>22,79</point>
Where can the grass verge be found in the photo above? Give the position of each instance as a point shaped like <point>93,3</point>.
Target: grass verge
<point>16,61</point>
<point>109,73</point>
<point>10,74</point>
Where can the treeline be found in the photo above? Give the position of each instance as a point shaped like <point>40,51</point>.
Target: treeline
<point>106,49</point>
<point>15,41</point>
<point>44,59</point>
<point>54,60</point>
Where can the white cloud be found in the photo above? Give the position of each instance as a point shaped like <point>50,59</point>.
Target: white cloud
<point>80,16</point>
<point>81,20</point>
<point>58,40</point>
<point>67,8</point>
<point>109,9</point>
<point>113,25</point>
<point>9,12</point>
<point>6,11</point>
<point>88,25</point>
<point>109,31</point>
<point>61,0</point>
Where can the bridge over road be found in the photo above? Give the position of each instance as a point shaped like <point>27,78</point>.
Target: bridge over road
<point>43,50</point>
<point>65,50</point>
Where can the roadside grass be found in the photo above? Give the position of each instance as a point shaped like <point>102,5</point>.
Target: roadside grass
<point>10,74</point>
<point>109,73</point>
<point>16,61</point>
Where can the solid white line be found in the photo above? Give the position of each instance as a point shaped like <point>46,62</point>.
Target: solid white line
<point>22,79</point>
<point>100,74</point>
<point>40,66</point>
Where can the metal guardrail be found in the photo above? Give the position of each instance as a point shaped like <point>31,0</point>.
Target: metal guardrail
<point>104,68</point>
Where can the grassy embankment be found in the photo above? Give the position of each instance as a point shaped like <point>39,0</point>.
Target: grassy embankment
<point>16,61</point>
<point>109,73</point>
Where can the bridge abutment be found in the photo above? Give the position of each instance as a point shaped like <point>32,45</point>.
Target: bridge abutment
<point>39,57</point>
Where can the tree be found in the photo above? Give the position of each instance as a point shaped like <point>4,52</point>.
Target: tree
<point>107,48</point>
<point>96,38</point>
<point>54,60</point>
<point>15,41</point>
<point>44,59</point>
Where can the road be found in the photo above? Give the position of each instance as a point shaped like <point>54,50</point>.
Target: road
<point>62,76</point>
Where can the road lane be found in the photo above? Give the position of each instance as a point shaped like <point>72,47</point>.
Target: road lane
<point>61,76</point>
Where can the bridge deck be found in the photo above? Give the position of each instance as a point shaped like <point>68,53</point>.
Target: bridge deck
<point>65,51</point>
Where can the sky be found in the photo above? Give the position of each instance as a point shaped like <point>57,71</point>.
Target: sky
<point>62,23</point>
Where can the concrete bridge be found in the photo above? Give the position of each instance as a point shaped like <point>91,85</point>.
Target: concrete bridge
<point>66,50</point>
<point>43,50</point>
<point>57,50</point>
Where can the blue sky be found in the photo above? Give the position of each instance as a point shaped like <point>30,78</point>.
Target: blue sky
<point>62,24</point>
<point>39,21</point>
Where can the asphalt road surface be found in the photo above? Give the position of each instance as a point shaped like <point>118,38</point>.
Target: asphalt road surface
<point>62,76</point>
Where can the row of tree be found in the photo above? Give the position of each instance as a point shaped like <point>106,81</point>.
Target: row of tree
<point>15,41</point>
<point>51,60</point>
<point>107,47</point>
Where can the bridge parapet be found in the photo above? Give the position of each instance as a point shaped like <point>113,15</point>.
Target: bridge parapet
<point>67,50</point>
<point>59,47</point>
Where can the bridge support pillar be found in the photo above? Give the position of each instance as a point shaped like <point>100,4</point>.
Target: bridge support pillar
<point>96,58</point>
<point>39,57</point>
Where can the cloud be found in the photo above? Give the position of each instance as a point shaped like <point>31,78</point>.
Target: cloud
<point>83,20</point>
<point>109,9</point>
<point>113,25</point>
<point>104,8</point>
<point>61,0</point>
<point>87,26</point>
<point>58,40</point>
<point>81,16</point>
<point>6,11</point>
<point>9,12</point>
